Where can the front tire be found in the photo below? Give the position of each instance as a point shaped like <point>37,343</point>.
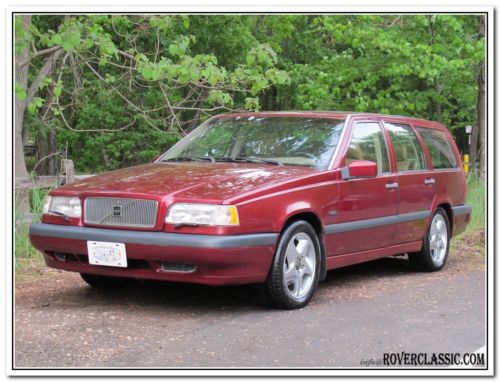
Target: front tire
<point>294,274</point>
<point>104,282</point>
<point>436,245</point>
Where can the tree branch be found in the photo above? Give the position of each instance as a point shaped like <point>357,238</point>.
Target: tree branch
<point>40,53</point>
<point>91,130</point>
<point>44,72</point>
<point>129,102</point>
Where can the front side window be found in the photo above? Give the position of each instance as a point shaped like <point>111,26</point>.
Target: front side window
<point>368,143</point>
<point>301,141</point>
<point>442,155</point>
<point>409,154</point>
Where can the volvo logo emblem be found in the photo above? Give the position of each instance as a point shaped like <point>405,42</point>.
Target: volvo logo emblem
<point>117,210</point>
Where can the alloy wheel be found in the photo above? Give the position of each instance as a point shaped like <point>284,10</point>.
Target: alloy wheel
<point>299,265</point>
<point>438,239</point>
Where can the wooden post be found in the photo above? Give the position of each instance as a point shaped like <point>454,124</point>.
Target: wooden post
<point>68,170</point>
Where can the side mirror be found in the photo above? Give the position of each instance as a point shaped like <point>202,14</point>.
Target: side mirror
<point>156,158</point>
<point>360,169</point>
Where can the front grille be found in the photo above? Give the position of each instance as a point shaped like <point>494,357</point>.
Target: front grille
<point>121,212</point>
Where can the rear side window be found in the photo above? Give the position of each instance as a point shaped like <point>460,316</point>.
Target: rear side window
<point>439,147</point>
<point>409,154</point>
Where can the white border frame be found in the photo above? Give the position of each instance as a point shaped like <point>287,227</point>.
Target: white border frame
<point>258,7</point>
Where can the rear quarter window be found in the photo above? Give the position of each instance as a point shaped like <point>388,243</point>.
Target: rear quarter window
<point>439,147</point>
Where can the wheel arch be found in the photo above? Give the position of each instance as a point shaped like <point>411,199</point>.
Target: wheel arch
<point>446,206</point>
<point>314,220</point>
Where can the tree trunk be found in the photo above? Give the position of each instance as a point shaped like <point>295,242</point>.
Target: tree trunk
<point>473,146</point>
<point>195,120</point>
<point>21,67</point>
<point>21,78</point>
<point>52,160</point>
<point>43,151</point>
<point>47,145</point>
<point>22,208</point>
<point>481,108</point>
<point>437,106</point>
<point>46,148</point>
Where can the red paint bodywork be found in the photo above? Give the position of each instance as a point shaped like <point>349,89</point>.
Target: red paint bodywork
<point>267,197</point>
<point>215,266</point>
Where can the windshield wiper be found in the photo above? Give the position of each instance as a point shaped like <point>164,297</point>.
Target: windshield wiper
<point>248,159</point>
<point>187,159</point>
<point>64,216</point>
<point>259,160</point>
<point>224,159</point>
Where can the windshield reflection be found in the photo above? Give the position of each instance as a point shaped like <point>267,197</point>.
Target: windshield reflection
<point>301,141</point>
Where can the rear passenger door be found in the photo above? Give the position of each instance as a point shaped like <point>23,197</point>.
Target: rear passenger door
<point>417,186</point>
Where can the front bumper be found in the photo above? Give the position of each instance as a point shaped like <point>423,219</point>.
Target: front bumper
<point>217,260</point>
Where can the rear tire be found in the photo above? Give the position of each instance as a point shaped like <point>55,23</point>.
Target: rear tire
<point>104,282</point>
<point>294,274</point>
<point>436,245</point>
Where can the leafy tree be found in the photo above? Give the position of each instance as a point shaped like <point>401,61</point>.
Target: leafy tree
<point>111,91</point>
<point>117,73</point>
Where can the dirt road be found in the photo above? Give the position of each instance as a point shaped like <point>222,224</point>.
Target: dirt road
<point>359,313</point>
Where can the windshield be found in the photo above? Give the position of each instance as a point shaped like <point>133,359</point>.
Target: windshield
<point>303,141</point>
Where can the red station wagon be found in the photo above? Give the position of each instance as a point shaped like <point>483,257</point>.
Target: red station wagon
<point>274,198</point>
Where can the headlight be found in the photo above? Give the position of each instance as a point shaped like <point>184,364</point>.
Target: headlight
<point>202,214</point>
<point>64,205</point>
<point>46,204</point>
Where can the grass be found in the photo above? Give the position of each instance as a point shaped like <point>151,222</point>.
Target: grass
<point>25,254</point>
<point>476,198</point>
<point>474,235</point>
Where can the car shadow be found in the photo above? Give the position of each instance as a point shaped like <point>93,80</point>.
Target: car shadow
<point>177,295</point>
<point>200,298</point>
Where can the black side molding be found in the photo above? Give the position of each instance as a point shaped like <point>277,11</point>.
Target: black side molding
<point>463,209</point>
<point>375,222</point>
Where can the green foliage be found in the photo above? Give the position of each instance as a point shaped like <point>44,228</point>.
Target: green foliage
<point>169,73</point>
<point>23,36</point>
<point>25,253</point>
<point>20,92</point>
<point>58,89</point>
<point>411,65</point>
<point>35,104</point>
<point>103,151</point>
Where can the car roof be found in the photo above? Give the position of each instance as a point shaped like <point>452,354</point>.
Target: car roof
<point>335,114</point>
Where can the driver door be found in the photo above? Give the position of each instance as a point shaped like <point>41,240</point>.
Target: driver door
<point>367,206</point>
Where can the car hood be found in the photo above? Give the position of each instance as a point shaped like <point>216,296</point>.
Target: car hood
<point>188,181</point>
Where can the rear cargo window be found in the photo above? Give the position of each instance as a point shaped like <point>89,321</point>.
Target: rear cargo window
<point>442,155</point>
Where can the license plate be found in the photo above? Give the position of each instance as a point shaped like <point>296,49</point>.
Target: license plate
<point>107,254</point>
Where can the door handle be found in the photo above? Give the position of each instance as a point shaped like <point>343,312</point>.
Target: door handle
<point>429,181</point>
<point>392,185</point>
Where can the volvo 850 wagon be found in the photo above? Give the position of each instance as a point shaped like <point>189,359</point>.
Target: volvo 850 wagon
<point>271,198</point>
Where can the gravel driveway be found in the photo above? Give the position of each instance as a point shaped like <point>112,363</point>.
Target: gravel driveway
<point>359,313</point>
